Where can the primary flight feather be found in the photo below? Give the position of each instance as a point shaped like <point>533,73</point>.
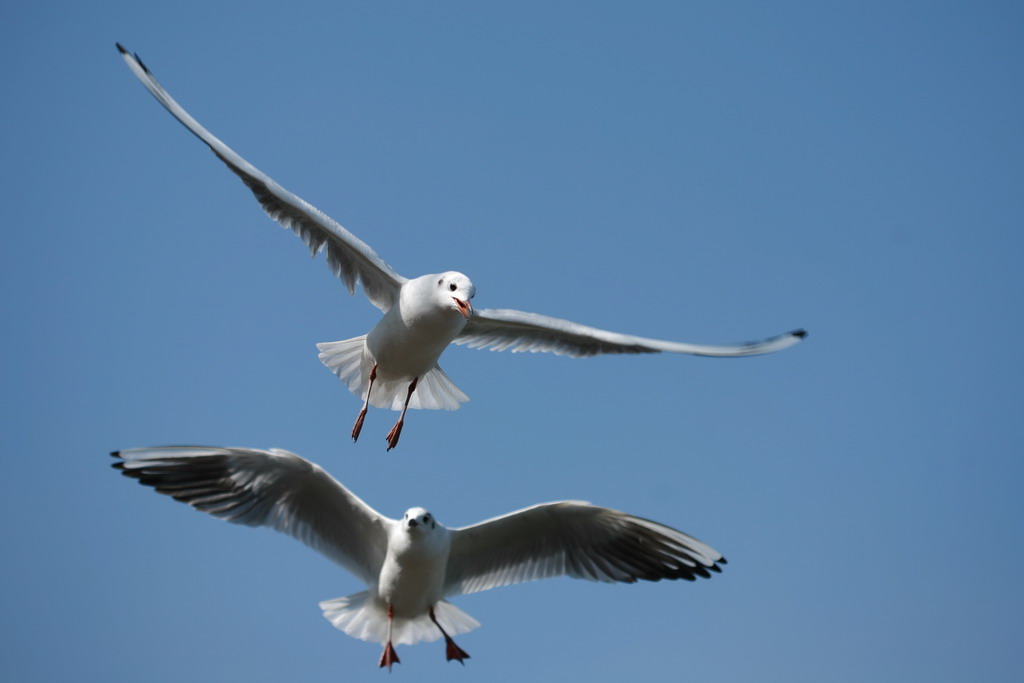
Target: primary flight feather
<point>395,365</point>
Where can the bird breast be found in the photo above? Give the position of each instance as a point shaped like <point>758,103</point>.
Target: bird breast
<point>412,576</point>
<point>412,335</point>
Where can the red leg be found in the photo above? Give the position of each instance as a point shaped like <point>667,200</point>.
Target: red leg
<point>396,431</point>
<point>389,656</point>
<point>452,651</point>
<point>358,426</point>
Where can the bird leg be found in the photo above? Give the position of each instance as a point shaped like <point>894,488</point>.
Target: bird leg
<point>358,426</point>
<point>452,651</point>
<point>389,656</point>
<point>396,431</point>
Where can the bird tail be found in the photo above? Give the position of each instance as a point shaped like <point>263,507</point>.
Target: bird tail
<point>364,616</point>
<point>348,360</point>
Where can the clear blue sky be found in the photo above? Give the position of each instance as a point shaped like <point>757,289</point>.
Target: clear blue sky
<point>706,172</point>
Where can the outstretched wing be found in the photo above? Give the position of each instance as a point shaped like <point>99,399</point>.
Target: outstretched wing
<point>500,329</point>
<point>272,488</point>
<point>574,539</point>
<point>348,257</point>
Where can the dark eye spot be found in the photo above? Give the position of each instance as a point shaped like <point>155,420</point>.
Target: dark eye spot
<point>439,282</point>
<point>453,286</point>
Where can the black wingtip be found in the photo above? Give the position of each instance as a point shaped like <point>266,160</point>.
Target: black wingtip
<point>799,333</point>
<point>135,55</point>
<point>115,454</point>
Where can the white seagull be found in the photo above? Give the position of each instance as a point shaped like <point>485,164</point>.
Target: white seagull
<point>411,565</point>
<point>395,365</point>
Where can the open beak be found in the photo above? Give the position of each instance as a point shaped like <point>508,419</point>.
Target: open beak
<point>465,308</point>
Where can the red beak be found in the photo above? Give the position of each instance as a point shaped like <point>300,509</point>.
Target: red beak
<point>465,308</point>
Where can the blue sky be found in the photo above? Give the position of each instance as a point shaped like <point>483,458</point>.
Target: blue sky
<point>705,172</point>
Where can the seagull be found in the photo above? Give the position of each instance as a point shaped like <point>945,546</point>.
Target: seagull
<point>395,365</point>
<point>410,565</point>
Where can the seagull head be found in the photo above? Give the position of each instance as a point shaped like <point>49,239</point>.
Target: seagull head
<point>418,520</point>
<point>457,290</point>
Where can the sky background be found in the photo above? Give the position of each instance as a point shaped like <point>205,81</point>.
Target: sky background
<point>707,172</point>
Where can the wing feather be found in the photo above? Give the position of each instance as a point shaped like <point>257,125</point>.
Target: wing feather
<point>272,488</point>
<point>348,257</point>
<point>574,539</point>
<point>518,331</point>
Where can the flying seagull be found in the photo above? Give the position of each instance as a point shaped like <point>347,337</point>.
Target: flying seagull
<point>410,565</point>
<point>395,365</point>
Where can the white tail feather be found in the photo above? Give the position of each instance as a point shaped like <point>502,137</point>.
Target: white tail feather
<point>363,616</point>
<point>349,360</point>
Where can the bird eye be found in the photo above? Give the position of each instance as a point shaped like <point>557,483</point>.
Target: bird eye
<point>440,282</point>
<point>453,286</point>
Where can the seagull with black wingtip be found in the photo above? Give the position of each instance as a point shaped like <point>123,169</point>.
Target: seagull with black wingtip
<point>411,565</point>
<point>395,365</point>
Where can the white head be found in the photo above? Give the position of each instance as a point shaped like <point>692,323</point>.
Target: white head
<point>457,289</point>
<point>419,520</point>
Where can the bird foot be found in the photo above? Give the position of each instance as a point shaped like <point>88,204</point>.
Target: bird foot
<point>453,651</point>
<point>388,657</point>
<point>358,426</point>
<point>393,435</point>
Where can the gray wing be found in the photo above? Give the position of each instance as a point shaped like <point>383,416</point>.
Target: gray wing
<point>502,329</point>
<point>348,257</point>
<point>574,539</point>
<point>272,488</point>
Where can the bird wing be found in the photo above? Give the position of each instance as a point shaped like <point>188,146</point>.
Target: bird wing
<point>574,539</point>
<point>501,329</point>
<point>272,488</point>
<point>348,257</point>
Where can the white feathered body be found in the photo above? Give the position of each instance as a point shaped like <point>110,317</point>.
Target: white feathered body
<point>411,336</point>
<point>404,345</point>
<point>412,581</point>
<point>412,578</point>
